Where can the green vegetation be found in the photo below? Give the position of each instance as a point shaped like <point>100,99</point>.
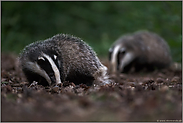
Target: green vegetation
<point>98,23</point>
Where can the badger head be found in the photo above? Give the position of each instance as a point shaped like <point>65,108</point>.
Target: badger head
<point>120,56</point>
<point>41,66</point>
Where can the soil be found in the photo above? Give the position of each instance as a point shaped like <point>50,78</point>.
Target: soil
<point>154,96</point>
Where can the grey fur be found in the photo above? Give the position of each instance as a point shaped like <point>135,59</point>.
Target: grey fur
<point>145,50</point>
<point>75,60</point>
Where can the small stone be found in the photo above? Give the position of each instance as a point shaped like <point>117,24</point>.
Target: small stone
<point>60,84</point>
<point>132,88</point>
<point>33,84</point>
<point>79,91</point>
<point>55,89</point>
<point>69,89</point>
<point>24,83</point>
<point>72,84</point>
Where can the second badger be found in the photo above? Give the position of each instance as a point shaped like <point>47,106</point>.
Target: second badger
<point>140,50</point>
<point>62,58</point>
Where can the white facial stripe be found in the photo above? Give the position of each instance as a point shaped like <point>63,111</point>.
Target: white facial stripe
<point>126,60</point>
<point>36,68</point>
<point>114,58</point>
<point>54,67</point>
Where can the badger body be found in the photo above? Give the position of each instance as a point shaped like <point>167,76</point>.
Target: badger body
<point>140,50</point>
<point>62,58</point>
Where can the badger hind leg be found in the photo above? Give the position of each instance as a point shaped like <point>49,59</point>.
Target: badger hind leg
<point>101,76</point>
<point>78,78</point>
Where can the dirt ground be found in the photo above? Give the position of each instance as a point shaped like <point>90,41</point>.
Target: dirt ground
<point>155,96</point>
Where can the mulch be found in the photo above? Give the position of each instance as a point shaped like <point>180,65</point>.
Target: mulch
<point>154,96</point>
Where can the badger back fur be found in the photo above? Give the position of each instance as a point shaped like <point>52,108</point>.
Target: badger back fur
<point>61,58</point>
<point>142,49</point>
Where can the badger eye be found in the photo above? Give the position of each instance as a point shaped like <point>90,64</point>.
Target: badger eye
<point>122,51</point>
<point>40,60</point>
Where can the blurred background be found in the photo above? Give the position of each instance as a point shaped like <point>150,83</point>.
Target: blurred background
<point>97,23</point>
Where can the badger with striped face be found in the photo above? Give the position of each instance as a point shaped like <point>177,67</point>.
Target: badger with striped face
<point>62,58</point>
<point>138,51</point>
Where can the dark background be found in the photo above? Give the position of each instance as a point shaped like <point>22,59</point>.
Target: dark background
<point>97,23</point>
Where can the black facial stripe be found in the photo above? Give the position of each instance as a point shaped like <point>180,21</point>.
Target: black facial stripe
<point>110,53</point>
<point>46,66</point>
<point>51,53</point>
<point>58,60</point>
<point>118,60</point>
<point>120,56</point>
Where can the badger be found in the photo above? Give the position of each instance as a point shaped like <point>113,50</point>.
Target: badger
<point>60,58</point>
<point>141,50</point>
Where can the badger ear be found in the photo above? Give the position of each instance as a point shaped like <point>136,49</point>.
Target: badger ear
<point>55,57</point>
<point>111,49</point>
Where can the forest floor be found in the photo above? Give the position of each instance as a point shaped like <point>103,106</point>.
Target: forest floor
<point>155,96</point>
